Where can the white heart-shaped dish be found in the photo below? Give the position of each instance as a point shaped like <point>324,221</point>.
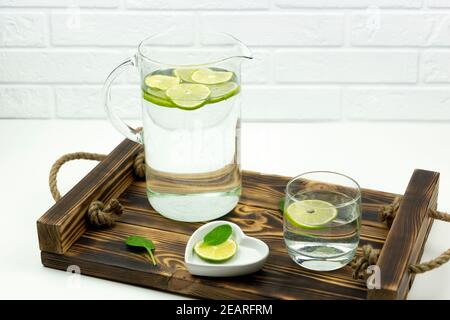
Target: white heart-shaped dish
<point>249,258</point>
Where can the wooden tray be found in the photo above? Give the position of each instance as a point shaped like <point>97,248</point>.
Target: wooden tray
<point>65,239</point>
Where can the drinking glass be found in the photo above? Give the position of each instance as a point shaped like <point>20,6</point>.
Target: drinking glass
<point>322,218</point>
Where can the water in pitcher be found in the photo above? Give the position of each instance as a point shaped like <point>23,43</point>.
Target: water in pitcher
<point>191,120</point>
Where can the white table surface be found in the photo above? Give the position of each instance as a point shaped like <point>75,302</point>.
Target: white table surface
<point>378,155</point>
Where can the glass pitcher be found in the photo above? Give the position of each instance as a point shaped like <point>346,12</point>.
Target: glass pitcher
<point>190,93</point>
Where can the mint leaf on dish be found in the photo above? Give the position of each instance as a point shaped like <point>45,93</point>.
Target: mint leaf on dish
<point>218,235</point>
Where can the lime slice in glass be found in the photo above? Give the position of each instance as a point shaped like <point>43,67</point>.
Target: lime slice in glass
<point>208,76</point>
<point>310,213</point>
<point>219,253</point>
<point>223,91</point>
<point>160,81</point>
<point>188,96</point>
<point>184,74</point>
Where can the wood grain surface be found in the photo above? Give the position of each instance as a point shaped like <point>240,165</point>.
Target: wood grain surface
<point>407,236</point>
<point>103,253</point>
<point>65,222</point>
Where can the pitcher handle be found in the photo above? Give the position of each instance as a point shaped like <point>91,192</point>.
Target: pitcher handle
<point>122,127</point>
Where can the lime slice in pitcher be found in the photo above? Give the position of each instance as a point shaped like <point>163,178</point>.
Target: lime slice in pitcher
<point>310,213</point>
<point>158,99</point>
<point>184,74</point>
<point>188,96</point>
<point>208,76</point>
<point>160,81</point>
<point>222,252</point>
<point>223,91</point>
<point>155,92</point>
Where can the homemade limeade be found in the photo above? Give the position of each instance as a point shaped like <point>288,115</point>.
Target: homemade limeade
<point>319,233</point>
<point>191,118</point>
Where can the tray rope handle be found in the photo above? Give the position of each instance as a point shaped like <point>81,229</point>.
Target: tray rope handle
<point>370,255</point>
<point>99,214</point>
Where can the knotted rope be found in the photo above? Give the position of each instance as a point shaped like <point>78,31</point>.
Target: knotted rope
<point>139,165</point>
<point>387,213</point>
<point>359,264</point>
<point>98,214</point>
<point>370,255</point>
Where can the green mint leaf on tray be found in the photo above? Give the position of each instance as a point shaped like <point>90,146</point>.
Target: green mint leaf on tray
<point>218,235</point>
<point>281,204</point>
<point>141,242</point>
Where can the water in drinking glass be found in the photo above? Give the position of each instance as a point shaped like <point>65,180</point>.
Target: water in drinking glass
<point>191,119</point>
<point>321,228</point>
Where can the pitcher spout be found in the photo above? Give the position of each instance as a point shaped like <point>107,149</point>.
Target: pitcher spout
<point>242,51</point>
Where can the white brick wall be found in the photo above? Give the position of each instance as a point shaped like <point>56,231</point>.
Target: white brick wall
<point>279,29</point>
<point>314,60</point>
<point>23,30</point>
<point>342,66</point>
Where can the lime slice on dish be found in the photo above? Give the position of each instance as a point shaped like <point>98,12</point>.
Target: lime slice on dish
<point>223,91</point>
<point>310,213</point>
<point>220,253</point>
<point>160,81</point>
<point>208,76</point>
<point>184,74</point>
<point>188,96</point>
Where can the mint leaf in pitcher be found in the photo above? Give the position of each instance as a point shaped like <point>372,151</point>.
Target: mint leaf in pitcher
<point>218,235</point>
